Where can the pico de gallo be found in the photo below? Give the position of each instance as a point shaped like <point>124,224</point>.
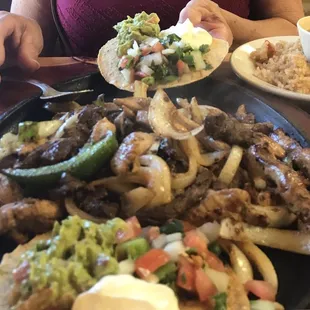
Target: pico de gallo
<point>79,253</point>
<point>153,56</point>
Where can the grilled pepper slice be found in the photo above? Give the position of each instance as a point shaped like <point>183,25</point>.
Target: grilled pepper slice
<point>82,166</point>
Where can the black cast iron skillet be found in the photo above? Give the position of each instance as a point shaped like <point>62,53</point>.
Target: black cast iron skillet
<point>293,270</point>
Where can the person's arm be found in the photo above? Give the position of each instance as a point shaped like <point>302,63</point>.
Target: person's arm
<point>40,11</point>
<point>277,17</point>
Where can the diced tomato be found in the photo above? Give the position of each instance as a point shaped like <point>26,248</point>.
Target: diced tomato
<point>261,289</point>
<point>123,62</point>
<point>150,262</point>
<point>134,224</point>
<point>214,262</point>
<point>132,230</point>
<point>145,50</point>
<point>186,274</point>
<point>125,234</point>
<point>204,286</point>
<point>180,67</point>
<point>193,240</point>
<point>187,226</point>
<point>140,75</point>
<point>157,47</point>
<point>153,233</point>
<point>21,272</point>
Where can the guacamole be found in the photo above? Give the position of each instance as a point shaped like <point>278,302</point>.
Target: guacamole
<point>137,29</point>
<point>78,254</point>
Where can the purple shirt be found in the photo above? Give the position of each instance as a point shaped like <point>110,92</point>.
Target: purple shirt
<point>88,24</point>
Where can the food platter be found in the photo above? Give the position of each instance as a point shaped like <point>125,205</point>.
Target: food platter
<point>294,289</point>
<point>244,67</point>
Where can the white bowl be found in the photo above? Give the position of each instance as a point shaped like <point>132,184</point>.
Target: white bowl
<point>304,34</point>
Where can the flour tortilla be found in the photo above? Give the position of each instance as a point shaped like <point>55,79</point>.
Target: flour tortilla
<point>108,61</point>
<point>237,297</point>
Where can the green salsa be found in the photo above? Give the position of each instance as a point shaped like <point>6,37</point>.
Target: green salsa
<point>78,254</point>
<point>140,27</point>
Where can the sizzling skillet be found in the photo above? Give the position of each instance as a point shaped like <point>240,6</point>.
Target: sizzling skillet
<point>227,97</point>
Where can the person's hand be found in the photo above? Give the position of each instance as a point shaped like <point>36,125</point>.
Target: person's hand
<point>21,41</point>
<point>207,15</point>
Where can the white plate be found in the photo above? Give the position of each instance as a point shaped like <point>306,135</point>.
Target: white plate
<point>244,67</point>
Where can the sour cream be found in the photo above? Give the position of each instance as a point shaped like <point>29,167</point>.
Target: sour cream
<point>124,292</point>
<point>193,36</point>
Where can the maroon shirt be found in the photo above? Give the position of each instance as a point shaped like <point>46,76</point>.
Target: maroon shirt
<point>88,24</point>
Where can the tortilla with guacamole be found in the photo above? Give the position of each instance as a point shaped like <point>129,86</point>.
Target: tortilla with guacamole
<point>174,57</point>
<point>53,269</point>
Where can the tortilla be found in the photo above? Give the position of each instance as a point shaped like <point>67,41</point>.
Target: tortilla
<point>108,61</point>
<point>237,301</point>
<point>8,264</point>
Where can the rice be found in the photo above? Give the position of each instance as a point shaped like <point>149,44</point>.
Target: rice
<point>285,66</point>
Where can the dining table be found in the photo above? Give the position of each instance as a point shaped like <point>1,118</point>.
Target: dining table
<point>54,70</point>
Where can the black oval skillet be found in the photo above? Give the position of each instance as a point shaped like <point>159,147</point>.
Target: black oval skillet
<point>293,270</point>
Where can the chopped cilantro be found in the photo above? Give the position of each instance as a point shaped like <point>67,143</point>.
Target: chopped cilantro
<point>160,71</point>
<point>208,66</point>
<point>191,251</point>
<point>215,248</point>
<point>189,59</point>
<point>172,227</point>
<point>220,301</point>
<point>169,39</point>
<point>130,62</point>
<point>204,48</point>
<point>187,48</point>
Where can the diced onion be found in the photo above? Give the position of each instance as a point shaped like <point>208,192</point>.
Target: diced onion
<point>159,242</point>
<point>134,51</point>
<point>232,164</point>
<point>211,230</point>
<point>198,60</point>
<point>174,237</point>
<point>147,70</point>
<point>174,249</point>
<point>168,51</point>
<point>127,74</point>
<point>219,279</point>
<point>151,41</point>
<point>287,240</point>
<point>155,58</point>
<point>151,278</point>
<point>126,267</point>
